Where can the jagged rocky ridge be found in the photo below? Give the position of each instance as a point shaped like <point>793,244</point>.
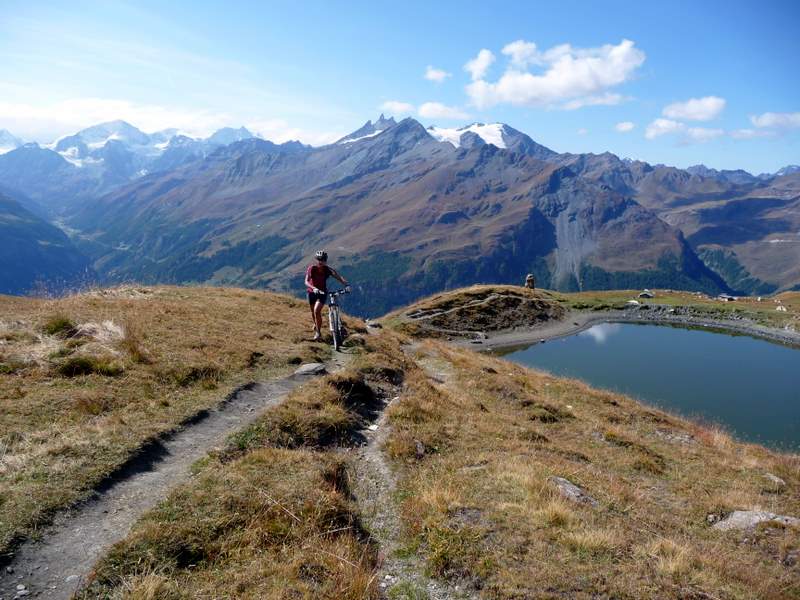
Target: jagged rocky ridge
<point>407,211</point>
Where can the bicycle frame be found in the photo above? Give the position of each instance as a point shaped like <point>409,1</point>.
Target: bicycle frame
<point>334,318</point>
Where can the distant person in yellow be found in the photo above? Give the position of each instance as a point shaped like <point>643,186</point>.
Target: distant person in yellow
<point>317,287</point>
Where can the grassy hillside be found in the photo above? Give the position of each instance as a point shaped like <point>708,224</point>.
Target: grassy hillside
<point>491,308</point>
<point>86,380</point>
<point>762,311</point>
<point>472,446</point>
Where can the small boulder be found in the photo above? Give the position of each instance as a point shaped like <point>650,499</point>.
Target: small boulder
<point>777,482</point>
<point>309,369</point>
<point>572,492</point>
<point>748,519</point>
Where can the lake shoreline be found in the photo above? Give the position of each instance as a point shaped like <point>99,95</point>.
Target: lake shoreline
<point>577,321</point>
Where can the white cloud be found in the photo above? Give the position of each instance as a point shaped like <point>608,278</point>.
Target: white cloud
<point>696,109</point>
<point>573,77</point>
<point>437,110</point>
<point>624,126</point>
<point>478,66</point>
<point>777,120</point>
<point>70,115</point>
<point>749,134</point>
<point>662,127</point>
<point>43,122</point>
<point>437,75</point>
<point>690,135</point>
<point>607,99</point>
<point>396,107</point>
<point>600,333</point>
<point>583,131</point>
<point>522,53</point>
<point>703,134</point>
<point>279,131</point>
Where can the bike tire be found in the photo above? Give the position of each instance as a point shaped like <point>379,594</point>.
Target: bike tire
<point>336,329</point>
<point>337,339</point>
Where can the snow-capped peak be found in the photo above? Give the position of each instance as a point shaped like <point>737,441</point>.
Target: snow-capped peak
<point>368,130</point>
<point>363,137</point>
<point>491,133</point>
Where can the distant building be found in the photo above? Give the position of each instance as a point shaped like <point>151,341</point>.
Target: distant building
<point>647,294</point>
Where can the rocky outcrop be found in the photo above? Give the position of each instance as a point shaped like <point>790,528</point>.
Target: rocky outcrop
<point>749,519</point>
<point>572,492</point>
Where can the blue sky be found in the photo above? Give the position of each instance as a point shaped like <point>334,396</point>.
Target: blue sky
<point>678,83</point>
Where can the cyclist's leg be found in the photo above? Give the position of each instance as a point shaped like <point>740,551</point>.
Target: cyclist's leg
<point>312,301</point>
<point>318,315</point>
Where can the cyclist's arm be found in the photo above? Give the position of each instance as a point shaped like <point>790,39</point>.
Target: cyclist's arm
<point>309,283</point>
<point>338,277</point>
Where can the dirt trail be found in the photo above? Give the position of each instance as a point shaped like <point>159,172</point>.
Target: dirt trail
<point>57,566</point>
<point>401,574</point>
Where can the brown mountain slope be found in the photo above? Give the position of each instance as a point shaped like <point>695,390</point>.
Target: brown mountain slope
<point>402,214</point>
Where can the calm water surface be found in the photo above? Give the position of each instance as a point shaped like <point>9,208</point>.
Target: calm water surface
<point>749,386</point>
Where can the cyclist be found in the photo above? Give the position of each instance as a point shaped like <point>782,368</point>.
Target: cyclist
<point>317,287</point>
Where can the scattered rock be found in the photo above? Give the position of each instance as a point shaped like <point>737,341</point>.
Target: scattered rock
<point>679,437</point>
<point>748,519</point>
<point>373,427</point>
<point>572,492</point>
<point>311,369</point>
<point>419,448</point>
<point>775,480</point>
<point>71,578</point>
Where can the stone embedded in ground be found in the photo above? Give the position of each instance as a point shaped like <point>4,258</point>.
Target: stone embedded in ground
<point>419,448</point>
<point>774,479</point>
<point>572,492</point>
<point>748,519</point>
<point>311,369</point>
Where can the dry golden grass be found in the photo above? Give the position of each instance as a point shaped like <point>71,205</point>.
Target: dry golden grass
<point>85,380</point>
<point>474,440</point>
<point>272,515</point>
<point>479,506</point>
<point>272,524</point>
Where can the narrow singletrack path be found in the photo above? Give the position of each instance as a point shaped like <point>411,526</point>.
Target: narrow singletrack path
<point>374,484</point>
<point>57,564</point>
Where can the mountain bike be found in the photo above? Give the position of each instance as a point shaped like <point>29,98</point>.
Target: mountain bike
<point>335,318</point>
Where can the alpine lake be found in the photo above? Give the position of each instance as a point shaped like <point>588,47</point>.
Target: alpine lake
<point>748,386</point>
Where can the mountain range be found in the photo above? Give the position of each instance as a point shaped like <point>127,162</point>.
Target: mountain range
<point>406,211</point>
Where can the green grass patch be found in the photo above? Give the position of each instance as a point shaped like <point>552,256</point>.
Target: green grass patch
<point>76,366</point>
<point>59,325</point>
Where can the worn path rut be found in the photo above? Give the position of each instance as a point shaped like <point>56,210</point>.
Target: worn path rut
<point>57,564</point>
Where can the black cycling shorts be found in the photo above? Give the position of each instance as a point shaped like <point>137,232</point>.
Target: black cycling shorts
<point>312,298</point>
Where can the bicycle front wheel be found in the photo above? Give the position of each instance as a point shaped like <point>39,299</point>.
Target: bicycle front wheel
<point>336,328</point>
